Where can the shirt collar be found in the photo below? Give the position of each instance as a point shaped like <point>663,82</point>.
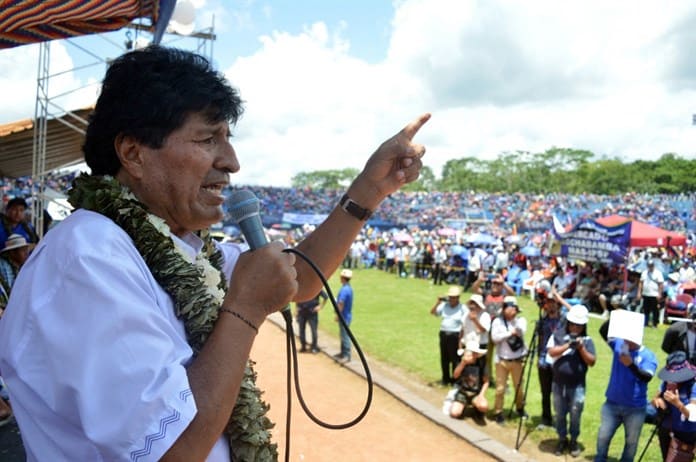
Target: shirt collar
<point>190,244</point>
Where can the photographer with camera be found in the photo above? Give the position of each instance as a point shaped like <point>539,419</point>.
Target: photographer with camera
<point>476,323</point>
<point>676,398</point>
<point>507,333</point>
<point>452,312</point>
<point>471,383</point>
<point>493,289</point>
<point>550,321</point>
<point>570,352</point>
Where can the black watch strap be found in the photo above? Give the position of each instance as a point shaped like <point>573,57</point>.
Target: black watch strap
<point>350,206</point>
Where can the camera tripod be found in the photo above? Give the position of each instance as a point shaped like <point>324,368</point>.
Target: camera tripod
<point>661,415</point>
<point>528,359</point>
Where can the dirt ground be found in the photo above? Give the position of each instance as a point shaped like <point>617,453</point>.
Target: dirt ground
<point>390,429</point>
<point>336,395</point>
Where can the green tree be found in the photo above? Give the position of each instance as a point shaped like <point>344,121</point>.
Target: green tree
<point>463,174</point>
<point>325,179</point>
<point>556,170</point>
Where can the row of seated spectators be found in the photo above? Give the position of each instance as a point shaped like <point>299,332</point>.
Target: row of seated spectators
<point>429,209</point>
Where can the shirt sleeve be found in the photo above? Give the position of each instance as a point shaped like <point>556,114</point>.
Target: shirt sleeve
<point>116,372</point>
<point>550,344</point>
<point>648,362</point>
<point>590,346</point>
<point>498,331</point>
<point>485,321</point>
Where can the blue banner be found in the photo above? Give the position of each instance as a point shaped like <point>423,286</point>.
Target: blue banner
<point>591,242</point>
<point>304,218</point>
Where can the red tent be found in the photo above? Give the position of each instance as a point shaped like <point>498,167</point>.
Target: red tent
<point>645,235</point>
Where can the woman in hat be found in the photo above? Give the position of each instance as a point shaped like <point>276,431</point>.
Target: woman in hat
<point>570,352</point>
<point>677,399</point>
<point>476,322</point>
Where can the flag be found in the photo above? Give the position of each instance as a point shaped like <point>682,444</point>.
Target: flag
<point>558,227</point>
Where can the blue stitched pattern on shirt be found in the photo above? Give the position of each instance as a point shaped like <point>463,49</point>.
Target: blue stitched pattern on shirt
<point>149,439</point>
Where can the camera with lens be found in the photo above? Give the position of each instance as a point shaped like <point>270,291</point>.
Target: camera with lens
<point>573,340</point>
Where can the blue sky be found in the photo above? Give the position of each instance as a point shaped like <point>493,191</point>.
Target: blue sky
<point>326,81</point>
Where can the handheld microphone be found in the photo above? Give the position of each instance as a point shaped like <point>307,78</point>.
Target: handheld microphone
<point>243,206</point>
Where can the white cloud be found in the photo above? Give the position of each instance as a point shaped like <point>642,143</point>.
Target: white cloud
<point>311,106</point>
<point>497,75</point>
<point>616,78</point>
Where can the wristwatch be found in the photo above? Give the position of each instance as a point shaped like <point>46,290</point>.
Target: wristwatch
<point>352,208</point>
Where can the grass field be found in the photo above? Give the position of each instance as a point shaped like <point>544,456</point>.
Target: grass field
<point>392,323</point>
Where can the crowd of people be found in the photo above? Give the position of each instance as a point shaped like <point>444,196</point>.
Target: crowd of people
<point>482,341</point>
<point>181,361</point>
<point>482,344</point>
<point>499,213</point>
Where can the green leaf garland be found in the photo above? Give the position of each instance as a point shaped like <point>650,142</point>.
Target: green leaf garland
<point>196,303</point>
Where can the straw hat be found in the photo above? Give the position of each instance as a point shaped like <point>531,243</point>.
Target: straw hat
<point>15,241</point>
<point>346,273</point>
<point>454,291</point>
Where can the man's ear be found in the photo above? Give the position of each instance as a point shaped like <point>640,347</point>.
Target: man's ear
<point>130,153</point>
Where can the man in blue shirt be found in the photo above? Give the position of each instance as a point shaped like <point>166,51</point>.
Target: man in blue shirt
<point>345,308</point>
<point>14,222</point>
<point>633,366</point>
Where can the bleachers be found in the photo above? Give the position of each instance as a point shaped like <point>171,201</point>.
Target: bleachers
<point>428,210</point>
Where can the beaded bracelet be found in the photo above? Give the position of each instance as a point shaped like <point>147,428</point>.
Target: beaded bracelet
<point>239,316</point>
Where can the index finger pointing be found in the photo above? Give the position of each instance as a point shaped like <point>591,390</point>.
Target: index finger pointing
<point>412,128</point>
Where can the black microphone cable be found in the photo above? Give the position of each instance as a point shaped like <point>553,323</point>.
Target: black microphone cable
<point>291,351</point>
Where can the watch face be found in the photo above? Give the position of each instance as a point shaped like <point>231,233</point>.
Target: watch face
<point>354,209</point>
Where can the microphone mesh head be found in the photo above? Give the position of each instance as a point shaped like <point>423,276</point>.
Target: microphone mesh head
<point>242,204</point>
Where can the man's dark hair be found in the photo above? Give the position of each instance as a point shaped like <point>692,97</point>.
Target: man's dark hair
<point>16,201</point>
<point>149,93</point>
